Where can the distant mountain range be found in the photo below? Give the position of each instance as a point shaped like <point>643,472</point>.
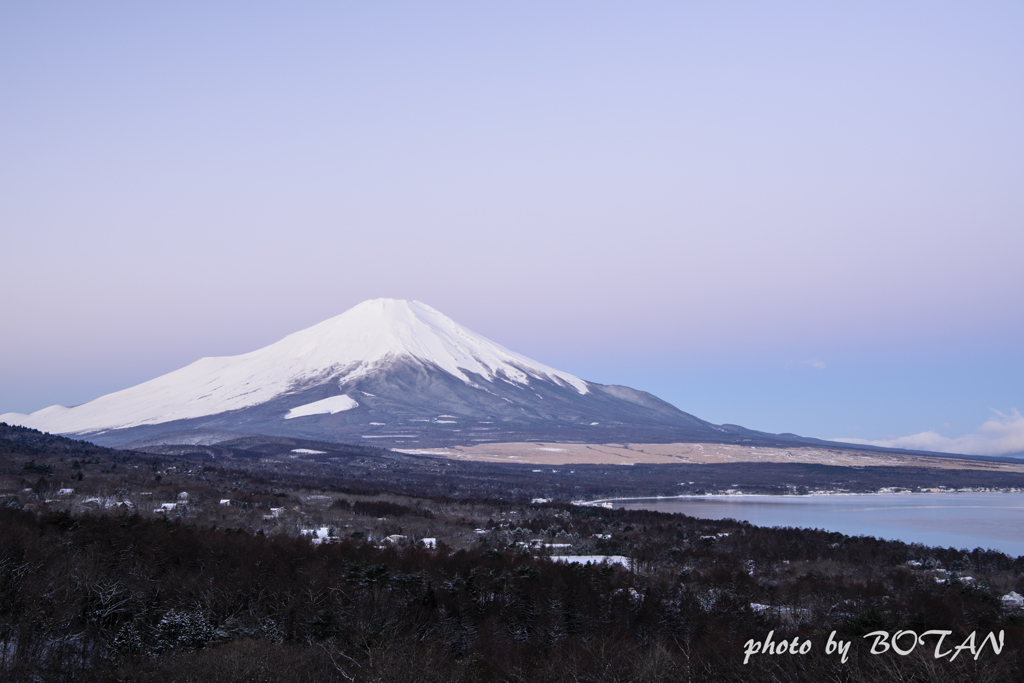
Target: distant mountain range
<point>385,373</point>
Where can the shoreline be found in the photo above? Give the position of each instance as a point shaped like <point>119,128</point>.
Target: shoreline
<point>601,502</point>
<point>954,519</point>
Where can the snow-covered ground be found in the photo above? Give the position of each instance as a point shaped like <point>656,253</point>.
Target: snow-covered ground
<point>593,559</point>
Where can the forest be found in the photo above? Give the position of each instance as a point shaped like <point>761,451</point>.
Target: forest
<point>265,575</point>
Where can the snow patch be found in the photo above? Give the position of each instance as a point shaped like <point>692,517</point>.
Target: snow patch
<point>593,559</point>
<point>324,534</point>
<point>327,406</point>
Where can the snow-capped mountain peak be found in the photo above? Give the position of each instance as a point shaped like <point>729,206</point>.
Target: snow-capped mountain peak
<point>382,328</point>
<point>339,350</point>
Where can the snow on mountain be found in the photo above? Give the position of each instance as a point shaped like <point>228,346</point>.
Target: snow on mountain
<point>341,350</point>
<point>327,406</point>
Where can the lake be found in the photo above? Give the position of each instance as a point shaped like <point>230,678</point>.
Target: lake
<point>959,520</point>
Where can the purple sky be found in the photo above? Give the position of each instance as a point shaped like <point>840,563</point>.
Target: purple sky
<point>791,216</point>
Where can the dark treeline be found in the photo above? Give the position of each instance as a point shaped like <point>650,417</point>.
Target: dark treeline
<point>382,508</point>
<point>128,598</point>
<point>362,469</point>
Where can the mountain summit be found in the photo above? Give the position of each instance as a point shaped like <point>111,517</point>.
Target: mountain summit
<point>385,372</point>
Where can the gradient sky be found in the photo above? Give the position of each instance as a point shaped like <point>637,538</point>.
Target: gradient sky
<point>800,217</point>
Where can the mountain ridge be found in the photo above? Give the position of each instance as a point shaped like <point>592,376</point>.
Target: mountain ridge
<point>386,372</point>
<point>341,349</point>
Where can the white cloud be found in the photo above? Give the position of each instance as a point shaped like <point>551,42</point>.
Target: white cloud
<point>816,364</point>
<point>999,435</point>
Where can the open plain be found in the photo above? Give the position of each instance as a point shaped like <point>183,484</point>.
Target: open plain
<point>537,453</point>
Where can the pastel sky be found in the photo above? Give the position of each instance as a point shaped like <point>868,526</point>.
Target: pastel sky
<point>798,217</point>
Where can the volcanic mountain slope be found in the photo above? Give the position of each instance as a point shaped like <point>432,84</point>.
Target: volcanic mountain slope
<point>386,372</point>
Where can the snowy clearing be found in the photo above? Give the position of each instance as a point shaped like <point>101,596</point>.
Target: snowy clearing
<point>593,559</point>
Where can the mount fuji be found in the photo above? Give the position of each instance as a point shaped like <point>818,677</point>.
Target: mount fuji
<point>386,372</point>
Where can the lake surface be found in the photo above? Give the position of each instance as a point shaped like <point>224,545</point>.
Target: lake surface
<point>959,520</point>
